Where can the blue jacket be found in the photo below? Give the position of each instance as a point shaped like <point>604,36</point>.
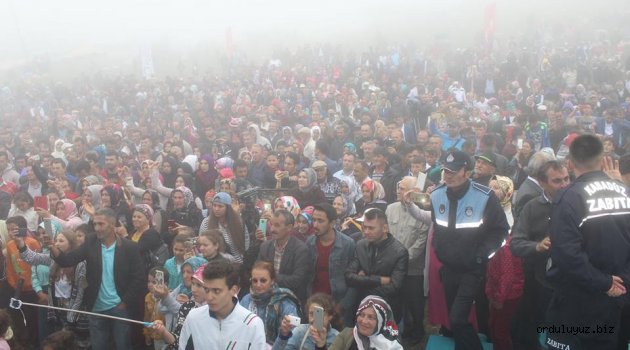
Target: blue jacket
<point>621,127</point>
<point>340,257</point>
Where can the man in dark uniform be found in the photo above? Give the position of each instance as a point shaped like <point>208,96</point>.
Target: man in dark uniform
<point>469,226</point>
<point>589,267</point>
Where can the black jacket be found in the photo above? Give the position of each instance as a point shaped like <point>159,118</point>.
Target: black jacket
<point>590,235</point>
<point>295,267</point>
<point>388,258</point>
<point>129,274</point>
<point>532,228</point>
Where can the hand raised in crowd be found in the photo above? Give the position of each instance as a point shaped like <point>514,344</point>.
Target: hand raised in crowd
<point>318,335</point>
<point>543,245</point>
<point>160,291</point>
<point>19,241</point>
<point>88,207</point>
<point>611,168</point>
<point>43,213</point>
<point>261,236</point>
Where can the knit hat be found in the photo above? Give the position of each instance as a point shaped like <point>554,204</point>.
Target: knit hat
<point>222,198</point>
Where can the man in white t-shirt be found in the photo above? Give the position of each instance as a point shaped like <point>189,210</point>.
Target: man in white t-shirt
<point>223,323</point>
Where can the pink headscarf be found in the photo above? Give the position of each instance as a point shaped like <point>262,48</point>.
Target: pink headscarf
<point>70,210</point>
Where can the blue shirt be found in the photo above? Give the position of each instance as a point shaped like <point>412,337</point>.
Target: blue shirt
<point>107,297</point>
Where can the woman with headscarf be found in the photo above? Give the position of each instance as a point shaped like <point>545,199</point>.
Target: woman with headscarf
<point>165,191</point>
<point>287,135</point>
<point>504,275</point>
<point>259,139</point>
<point>304,224</point>
<point>152,199</point>
<point>66,214</point>
<point>375,329</point>
<point>307,193</point>
<point>373,197</point>
<point>113,197</point>
<point>168,171</point>
<point>316,133</point>
<point>205,176</point>
<point>90,202</point>
<point>148,239</point>
<point>288,203</point>
<point>183,211</point>
<point>503,187</point>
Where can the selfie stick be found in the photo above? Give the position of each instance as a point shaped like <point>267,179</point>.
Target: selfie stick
<point>16,304</point>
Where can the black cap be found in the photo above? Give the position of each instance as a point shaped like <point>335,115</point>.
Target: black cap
<point>488,157</point>
<point>455,160</point>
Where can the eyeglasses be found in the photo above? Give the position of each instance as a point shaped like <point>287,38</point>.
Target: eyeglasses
<point>261,281</point>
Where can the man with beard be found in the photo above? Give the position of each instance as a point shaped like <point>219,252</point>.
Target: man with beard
<point>331,252</point>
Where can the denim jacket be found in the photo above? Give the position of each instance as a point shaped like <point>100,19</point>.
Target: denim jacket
<point>340,257</point>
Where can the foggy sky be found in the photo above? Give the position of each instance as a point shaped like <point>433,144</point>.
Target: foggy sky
<point>66,28</point>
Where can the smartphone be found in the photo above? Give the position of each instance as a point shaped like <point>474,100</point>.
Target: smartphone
<point>267,207</point>
<point>262,225</point>
<point>294,320</point>
<point>48,228</point>
<point>519,143</point>
<point>172,224</point>
<point>159,278</point>
<point>318,317</point>
<point>21,232</point>
<point>41,202</point>
<point>415,197</point>
<point>189,245</point>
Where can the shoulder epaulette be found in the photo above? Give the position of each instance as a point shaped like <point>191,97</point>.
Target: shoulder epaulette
<point>481,188</point>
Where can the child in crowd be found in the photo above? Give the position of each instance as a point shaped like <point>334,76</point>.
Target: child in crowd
<point>181,244</point>
<point>151,308</point>
<point>211,245</point>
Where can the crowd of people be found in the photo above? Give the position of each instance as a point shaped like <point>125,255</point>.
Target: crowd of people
<point>321,201</point>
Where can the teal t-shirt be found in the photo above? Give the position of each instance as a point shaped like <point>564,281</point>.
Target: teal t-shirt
<point>107,297</point>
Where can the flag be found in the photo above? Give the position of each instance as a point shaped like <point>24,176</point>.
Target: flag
<point>490,21</point>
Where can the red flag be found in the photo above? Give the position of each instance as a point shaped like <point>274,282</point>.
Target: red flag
<point>490,20</point>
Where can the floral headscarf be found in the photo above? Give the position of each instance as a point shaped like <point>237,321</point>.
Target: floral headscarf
<point>70,210</point>
<point>375,188</point>
<point>386,333</point>
<point>290,204</point>
<point>507,187</point>
<point>146,210</point>
<point>188,195</point>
